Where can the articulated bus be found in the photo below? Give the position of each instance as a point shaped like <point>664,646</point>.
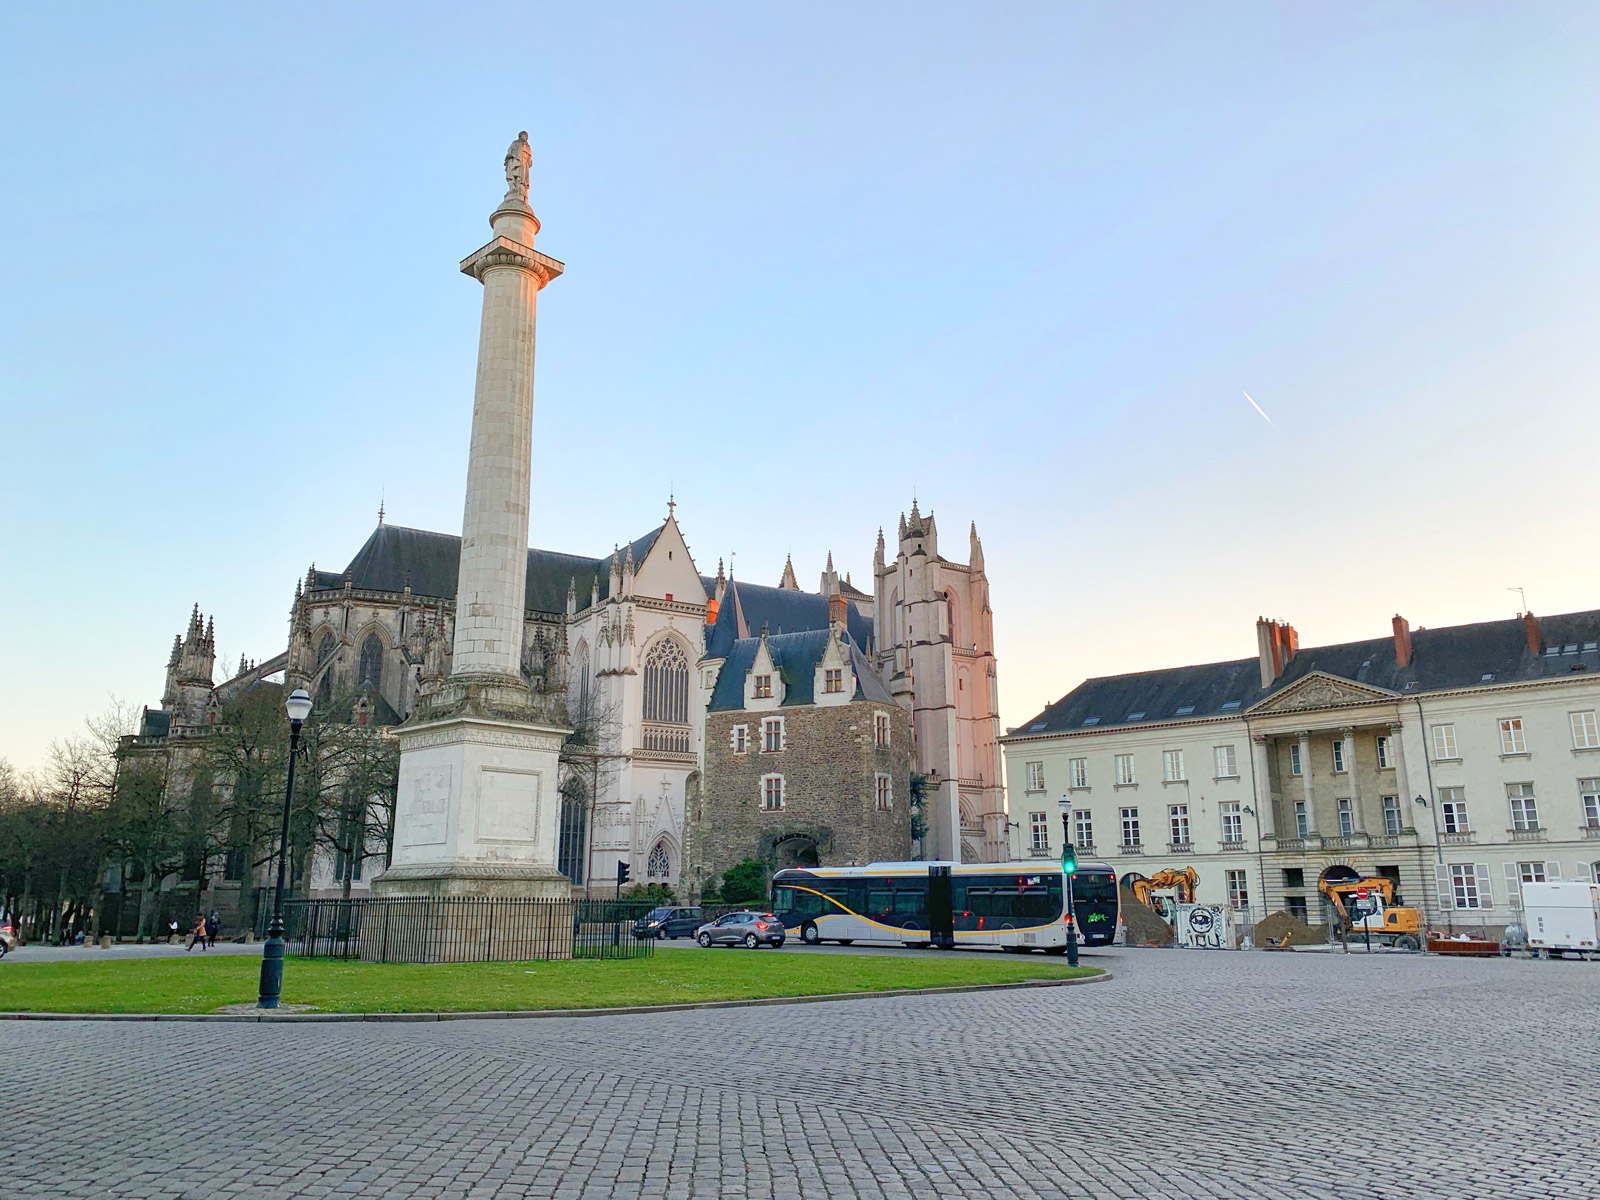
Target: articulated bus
<point>1017,905</point>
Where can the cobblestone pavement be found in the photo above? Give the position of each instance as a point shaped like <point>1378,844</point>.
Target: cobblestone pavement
<point>1191,1074</point>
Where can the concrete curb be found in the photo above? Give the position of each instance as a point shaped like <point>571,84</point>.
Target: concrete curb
<point>273,1018</point>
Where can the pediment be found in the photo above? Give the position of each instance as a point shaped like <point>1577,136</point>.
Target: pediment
<point>1320,690</point>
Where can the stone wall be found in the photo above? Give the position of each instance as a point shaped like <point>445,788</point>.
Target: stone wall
<point>828,764</point>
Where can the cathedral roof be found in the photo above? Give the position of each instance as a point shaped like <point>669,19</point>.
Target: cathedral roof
<point>1485,654</point>
<point>781,610</point>
<point>796,656</point>
<point>432,561</point>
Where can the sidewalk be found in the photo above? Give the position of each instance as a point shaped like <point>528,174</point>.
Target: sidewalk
<point>38,952</point>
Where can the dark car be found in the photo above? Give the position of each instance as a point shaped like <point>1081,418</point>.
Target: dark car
<point>668,922</point>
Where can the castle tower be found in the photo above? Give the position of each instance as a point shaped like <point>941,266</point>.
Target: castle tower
<point>478,804</point>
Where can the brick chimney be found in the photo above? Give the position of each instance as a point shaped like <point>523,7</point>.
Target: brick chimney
<point>1402,641</point>
<point>1276,645</point>
<point>1530,626</point>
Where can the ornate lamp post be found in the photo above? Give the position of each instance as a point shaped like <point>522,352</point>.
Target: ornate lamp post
<point>1069,868</point>
<point>298,707</point>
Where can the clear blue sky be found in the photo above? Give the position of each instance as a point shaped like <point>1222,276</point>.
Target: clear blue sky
<point>1023,260</point>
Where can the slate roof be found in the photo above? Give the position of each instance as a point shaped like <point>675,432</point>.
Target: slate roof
<point>157,722</point>
<point>1486,654</point>
<point>433,561</point>
<point>782,610</point>
<point>796,656</point>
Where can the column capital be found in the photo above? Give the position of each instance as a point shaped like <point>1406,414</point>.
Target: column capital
<point>503,252</point>
<point>1347,731</point>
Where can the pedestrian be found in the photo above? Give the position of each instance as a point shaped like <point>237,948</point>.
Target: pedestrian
<point>196,934</point>
<point>213,927</point>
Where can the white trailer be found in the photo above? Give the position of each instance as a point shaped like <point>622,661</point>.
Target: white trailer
<point>1563,917</point>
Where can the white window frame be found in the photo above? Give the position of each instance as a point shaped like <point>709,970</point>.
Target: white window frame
<point>1238,882</point>
<point>769,725</point>
<point>1385,762</point>
<point>1232,821</point>
<point>1130,827</point>
<point>880,729</point>
<point>1227,762</point>
<point>1172,766</point>
<point>1039,829</point>
<point>768,792</point>
<point>1077,772</point>
<point>1585,730</point>
<point>1524,804</point>
<point>739,739</point>
<point>1589,798</point>
<point>1035,776</point>
<point>1513,738</point>
<point>1082,827</point>
<point>1125,771</point>
<point>832,680</point>
<point>1466,891</point>
<point>1393,821</point>
<point>1347,817</point>
<point>1338,756</point>
<point>1453,810</point>
<point>1296,767</point>
<point>1444,743</point>
<point>883,790</point>
<point>761,687</point>
<point>1302,819</point>
<point>1531,872</point>
<point>1178,824</point>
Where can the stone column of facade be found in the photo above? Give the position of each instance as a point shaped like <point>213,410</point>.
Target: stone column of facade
<point>1402,780</point>
<point>1263,770</point>
<point>478,804</point>
<point>1307,783</point>
<point>1348,735</point>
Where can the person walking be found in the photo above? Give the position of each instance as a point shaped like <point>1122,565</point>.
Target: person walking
<point>196,934</point>
<point>213,927</point>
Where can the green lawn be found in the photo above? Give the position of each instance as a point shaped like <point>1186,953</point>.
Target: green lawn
<point>183,985</point>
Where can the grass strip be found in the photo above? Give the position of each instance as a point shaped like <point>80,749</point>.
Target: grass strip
<point>183,985</point>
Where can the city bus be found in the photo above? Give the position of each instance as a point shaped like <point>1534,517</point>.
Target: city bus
<point>1017,905</point>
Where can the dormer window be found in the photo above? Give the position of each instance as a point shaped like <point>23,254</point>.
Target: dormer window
<point>833,680</point>
<point>763,687</point>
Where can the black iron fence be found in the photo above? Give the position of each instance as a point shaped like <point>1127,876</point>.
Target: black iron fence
<point>464,929</point>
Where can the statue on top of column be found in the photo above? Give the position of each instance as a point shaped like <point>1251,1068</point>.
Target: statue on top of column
<point>519,161</point>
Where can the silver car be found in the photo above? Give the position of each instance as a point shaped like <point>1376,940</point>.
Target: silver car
<point>749,929</point>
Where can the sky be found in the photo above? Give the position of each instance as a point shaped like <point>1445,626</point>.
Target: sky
<point>1021,262</point>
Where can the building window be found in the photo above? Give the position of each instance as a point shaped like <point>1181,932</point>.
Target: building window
<point>659,865</point>
<point>1453,807</point>
<point>1585,732</point>
<point>1589,791</point>
<point>772,735</point>
<point>1530,872</point>
<point>1130,827</point>
<point>1338,756</point>
<point>1172,765</point>
<point>370,671</point>
<point>1232,821</point>
<point>1511,739</point>
<point>1039,826</point>
<point>772,791</point>
<point>1227,763</point>
<point>1294,877</point>
<point>666,683</point>
<point>880,729</point>
<point>1124,768</point>
<point>1078,772</point>
<point>1296,906</point>
<point>1238,890</point>
<point>1294,759</point>
<point>1347,817</point>
<point>1391,815</point>
<point>1464,889</point>
<point>741,739</point>
<point>1036,777</point>
<point>1524,808</point>
<point>1384,761</point>
<point>881,791</point>
<point>1178,821</point>
<point>1302,825</point>
<point>763,687</point>
<point>1444,742</point>
<point>1083,827</point>
<point>833,679</point>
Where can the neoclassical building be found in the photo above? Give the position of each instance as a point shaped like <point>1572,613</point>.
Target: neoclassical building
<point>1460,762</point>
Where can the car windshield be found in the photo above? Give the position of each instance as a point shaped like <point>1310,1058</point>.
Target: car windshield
<point>660,912</point>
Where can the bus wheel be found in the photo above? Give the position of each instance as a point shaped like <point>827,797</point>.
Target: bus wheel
<point>1055,949</point>
<point>846,941</point>
<point>809,934</point>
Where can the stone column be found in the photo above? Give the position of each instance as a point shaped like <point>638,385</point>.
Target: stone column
<point>1263,770</point>
<point>1348,735</point>
<point>1402,780</point>
<point>1306,783</point>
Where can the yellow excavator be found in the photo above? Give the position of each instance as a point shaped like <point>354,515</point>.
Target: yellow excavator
<point>1166,889</point>
<point>1388,926</point>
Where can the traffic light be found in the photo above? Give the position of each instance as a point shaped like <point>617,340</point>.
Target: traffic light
<point>624,873</point>
<point>1069,859</point>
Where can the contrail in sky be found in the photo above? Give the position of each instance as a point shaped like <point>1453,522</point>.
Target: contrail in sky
<point>1258,408</point>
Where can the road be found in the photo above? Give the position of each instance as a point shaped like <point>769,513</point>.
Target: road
<point>1312,1076</point>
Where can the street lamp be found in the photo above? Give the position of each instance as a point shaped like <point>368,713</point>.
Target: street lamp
<point>1069,867</point>
<point>298,706</point>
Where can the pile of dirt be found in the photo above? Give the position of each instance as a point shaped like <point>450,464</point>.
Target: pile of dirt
<point>1143,926</point>
<point>1281,925</point>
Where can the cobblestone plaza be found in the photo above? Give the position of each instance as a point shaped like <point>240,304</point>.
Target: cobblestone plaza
<point>1189,1074</point>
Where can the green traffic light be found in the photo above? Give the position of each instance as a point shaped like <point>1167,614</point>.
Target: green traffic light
<point>1069,859</point>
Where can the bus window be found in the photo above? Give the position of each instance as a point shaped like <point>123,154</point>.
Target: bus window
<point>783,899</point>
<point>879,903</point>
<point>980,901</point>
<point>839,895</point>
<point>909,904</point>
<point>809,904</point>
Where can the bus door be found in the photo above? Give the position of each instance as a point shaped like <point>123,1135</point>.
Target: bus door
<point>941,926</point>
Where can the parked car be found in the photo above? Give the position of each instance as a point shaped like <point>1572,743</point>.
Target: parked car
<point>749,929</point>
<point>668,922</point>
<point>8,939</point>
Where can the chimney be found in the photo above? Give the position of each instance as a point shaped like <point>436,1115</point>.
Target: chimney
<point>1530,626</point>
<point>1264,650</point>
<point>1402,641</point>
<point>837,604</point>
<point>1276,645</point>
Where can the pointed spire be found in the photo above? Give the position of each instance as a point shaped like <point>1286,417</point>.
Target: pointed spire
<point>915,515</point>
<point>177,650</point>
<point>902,527</point>
<point>789,582</point>
<point>975,557</point>
<point>380,508</point>
<point>211,631</point>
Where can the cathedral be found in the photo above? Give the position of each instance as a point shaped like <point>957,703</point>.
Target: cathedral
<point>637,641</point>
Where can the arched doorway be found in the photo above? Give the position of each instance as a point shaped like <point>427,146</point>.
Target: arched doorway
<point>798,850</point>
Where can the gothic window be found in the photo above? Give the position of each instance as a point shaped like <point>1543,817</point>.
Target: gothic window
<point>659,864</point>
<point>573,831</point>
<point>666,684</point>
<point>326,647</point>
<point>950,614</point>
<point>371,671</point>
